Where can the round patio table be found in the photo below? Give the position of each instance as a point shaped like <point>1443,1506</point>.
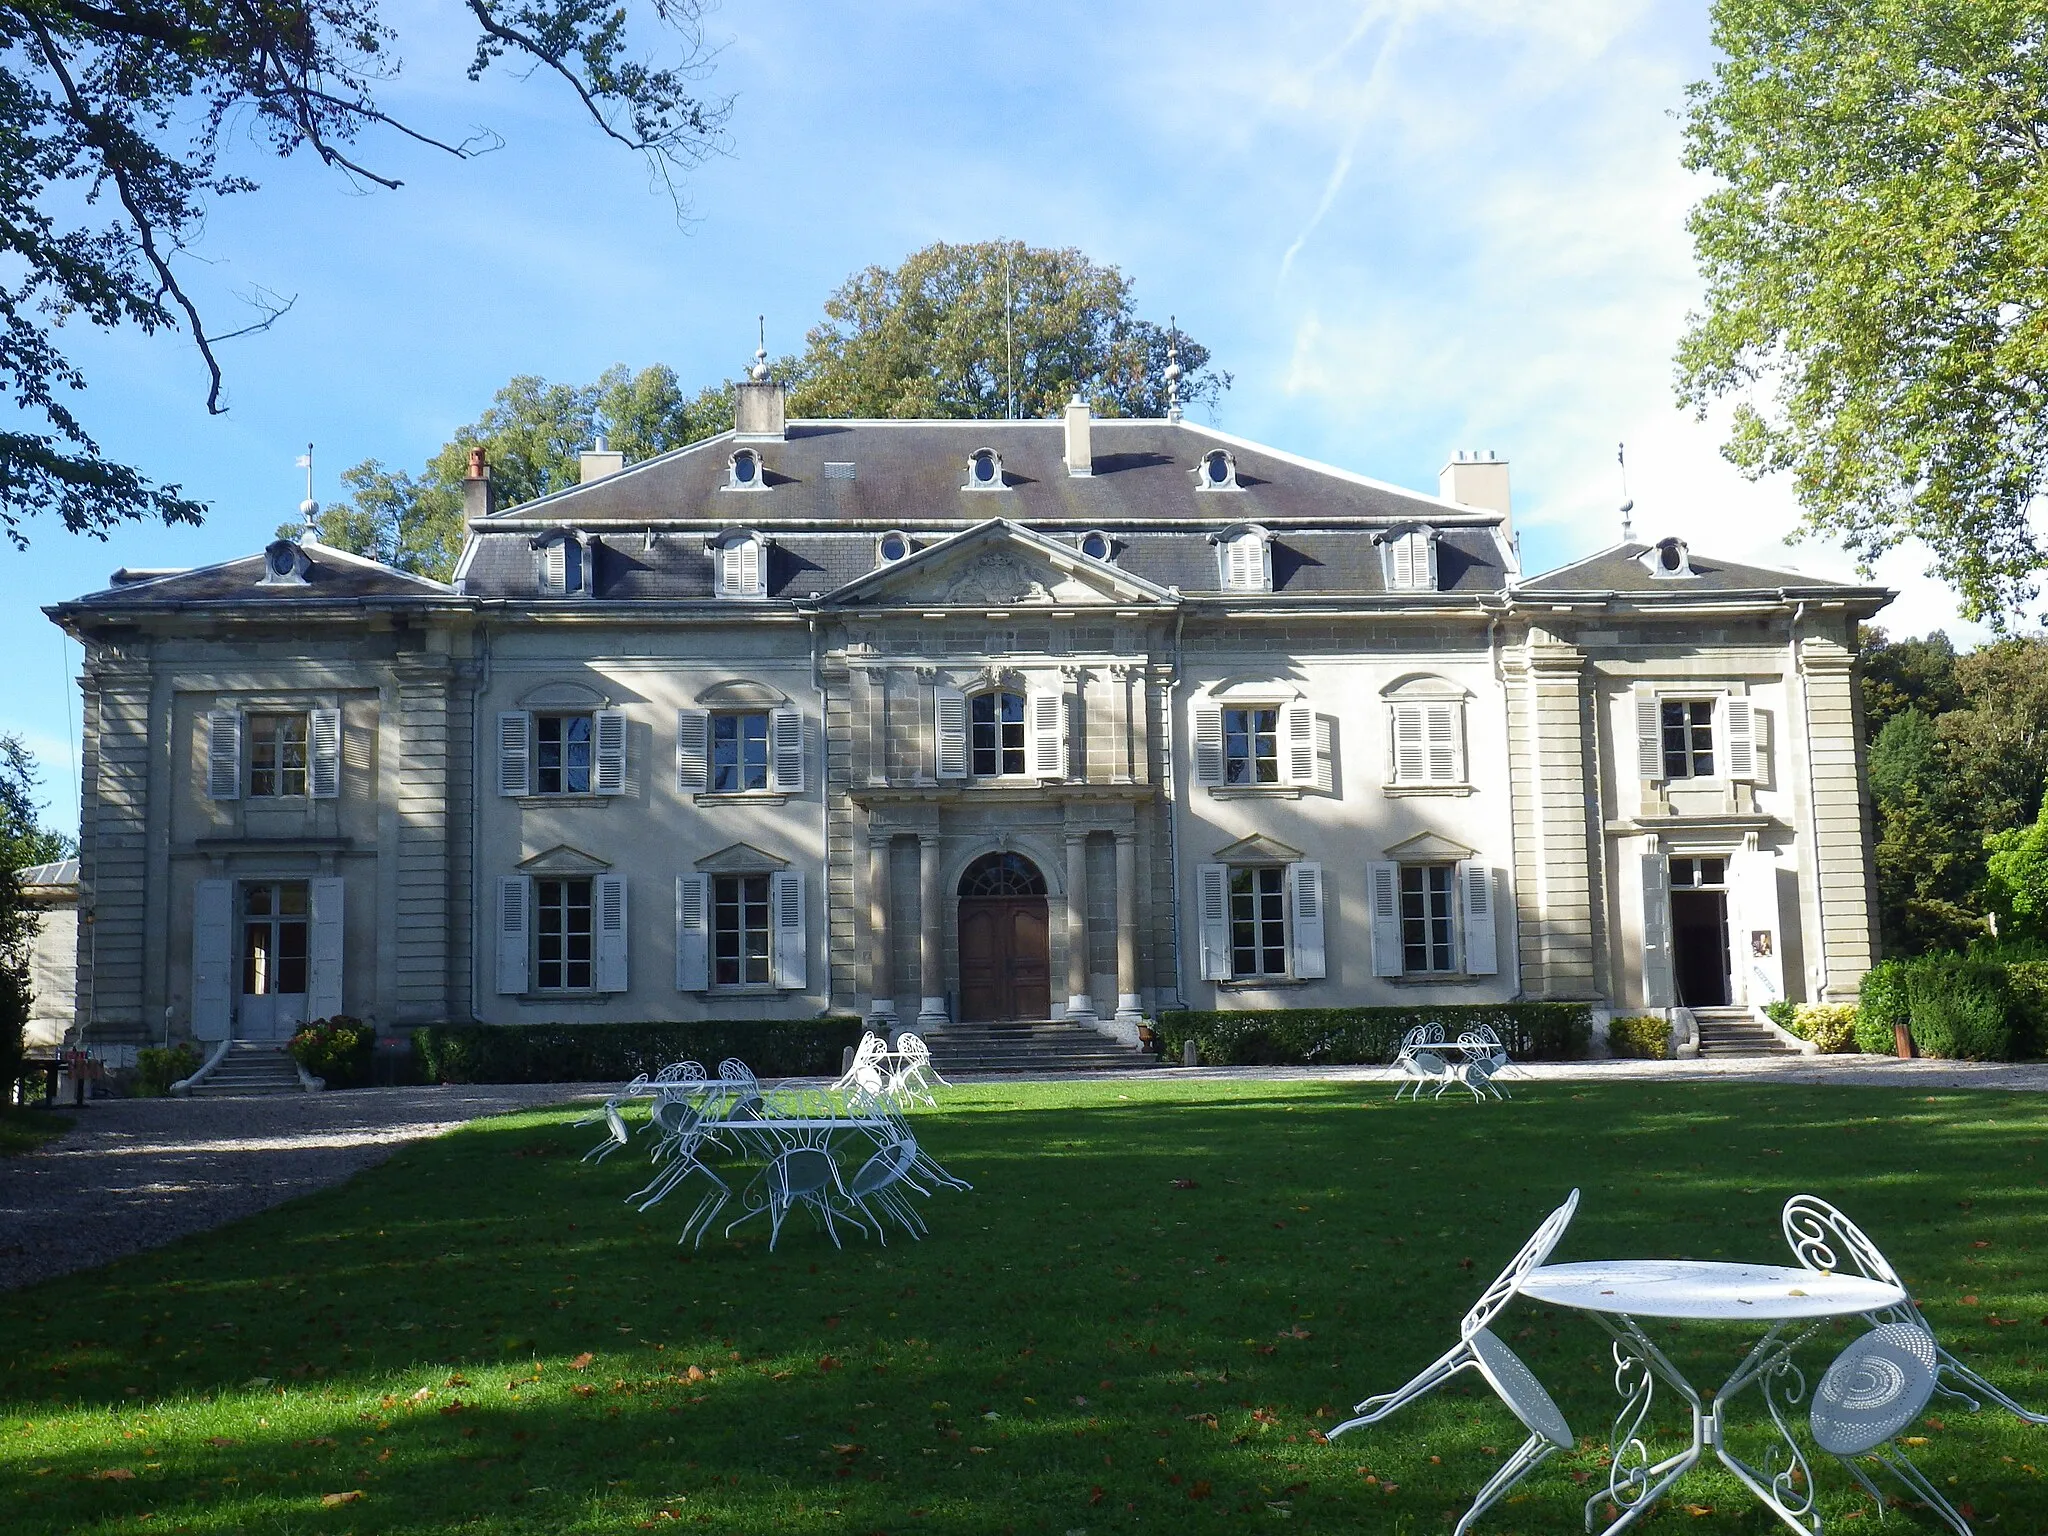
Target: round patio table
<point>1615,1293</point>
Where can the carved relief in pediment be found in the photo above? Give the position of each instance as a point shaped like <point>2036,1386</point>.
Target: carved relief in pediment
<point>994,577</point>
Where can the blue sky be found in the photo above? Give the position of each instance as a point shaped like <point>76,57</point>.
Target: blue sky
<point>1406,228</point>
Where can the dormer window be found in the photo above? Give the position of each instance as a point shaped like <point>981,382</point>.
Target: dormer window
<point>1409,559</point>
<point>284,565</point>
<point>1217,471</point>
<point>1095,544</point>
<point>1669,560</point>
<point>561,564</point>
<point>1244,558</point>
<point>739,564</point>
<point>985,470</point>
<point>892,546</point>
<point>743,471</point>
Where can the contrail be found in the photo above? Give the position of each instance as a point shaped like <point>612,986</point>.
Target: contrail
<point>1342,169</point>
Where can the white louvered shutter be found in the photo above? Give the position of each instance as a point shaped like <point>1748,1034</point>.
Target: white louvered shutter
<point>1425,562</point>
<point>323,738</point>
<point>693,750</point>
<point>1305,893</point>
<point>1656,932</point>
<point>949,717</point>
<point>790,948</point>
<point>1475,893</point>
<point>1409,749</point>
<point>609,776</point>
<point>1298,742</point>
<point>224,754</point>
<point>515,729</point>
<point>1326,754</point>
<point>554,568</point>
<point>786,751</point>
<point>213,957</point>
<point>1649,734</point>
<point>1208,744</point>
<point>741,565</point>
<point>1383,885</point>
<point>1738,733</point>
<point>515,918</point>
<point>1403,552</point>
<point>610,891</point>
<point>1213,886</point>
<point>693,937</point>
<point>324,949</point>
<point>1757,942</point>
<point>1445,742</point>
<point>1045,725</point>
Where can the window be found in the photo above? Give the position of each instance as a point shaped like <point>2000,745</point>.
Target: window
<point>1688,729</point>
<point>739,565</point>
<point>564,949</point>
<point>985,471</point>
<point>1258,921</point>
<point>1428,742</point>
<point>1095,544</point>
<point>739,753</point>
<point>1244,560</point>
<point>1251,746</point>
<point>562,565</point>
<point>739,930</point>
<point>1217,471</point>
<point>743,471</point>
<point>998,735</point>
<point>894,546</point>
<point>1669,560</point>
<point>563,756</point>
<point>1428,926</point>
<point>1698,874</point>
<point>284,565</point>
<point>277,756</point>
<point>274,938</point>
<point>1410,560</point>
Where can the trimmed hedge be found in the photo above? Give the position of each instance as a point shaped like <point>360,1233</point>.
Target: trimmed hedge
<point>1880,1006</point>
<point>1281,1037</point>
<point>1643,1036</point>
<point>157,1067</point>
<point>1831,1026</point>
<point>595,1053</point>
<point>338,1051</point>
<point>1962,1007</point>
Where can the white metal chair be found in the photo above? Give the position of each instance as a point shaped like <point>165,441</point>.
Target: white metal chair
<point>615,1133</point>
<point>1477,1073</point>
<point>1426,1067</point>
<point>913,1074</point>
<point>1875,1389</point>
<point>871,1049</point>
<point>803,1173</point>
<point>879,1183</point>
<point>1822,1238</point>
<point>1479,1349</point>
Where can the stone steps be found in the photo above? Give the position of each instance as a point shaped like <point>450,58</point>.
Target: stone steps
<point>1048,1045</point>
<point>1735,1032</point>
<point>251,1069</point>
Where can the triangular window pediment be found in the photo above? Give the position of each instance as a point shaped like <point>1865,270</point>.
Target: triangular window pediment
<point>1428,848</point>
<point>563,860</point>
<point>741,859</point>
<point>999,565</point>
<point>1257,849</point>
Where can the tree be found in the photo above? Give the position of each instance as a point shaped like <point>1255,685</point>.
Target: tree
<point>929,339</point>
<point>23,842</point>
<point>1905,674</point>
<point>115,122</point>
<point>1875,294</point>
<point>2016,879</point>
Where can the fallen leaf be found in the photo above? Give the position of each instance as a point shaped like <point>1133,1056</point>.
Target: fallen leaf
<point>221,1442</point>
<point>1696,1510</point>
<point>332,1499</point>
<point>582,1361</point>
<point>1200,1490</point>
<point>829,1362</point>
<point>115,1475</point>
<point>1185,1184</point>
<point>584,1391</point>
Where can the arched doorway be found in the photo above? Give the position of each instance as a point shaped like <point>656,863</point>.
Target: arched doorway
<point>1005,964</point>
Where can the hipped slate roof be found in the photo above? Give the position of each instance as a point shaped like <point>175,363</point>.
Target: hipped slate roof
<point>332,575</point>
<point>1620,569</point>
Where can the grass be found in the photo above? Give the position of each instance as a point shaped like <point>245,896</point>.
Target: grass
<point>1140,1319</point>
<point>25,1129</point>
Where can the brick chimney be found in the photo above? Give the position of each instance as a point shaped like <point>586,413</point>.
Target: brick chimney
<point>1080,450</point>
<point>478,500</point>
<point>1480,483</point>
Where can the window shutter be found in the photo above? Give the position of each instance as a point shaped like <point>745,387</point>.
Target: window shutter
<point>1298,730</point>
<point>1411,755</point>
<point>949,712</point>
<point>1475,889</point>
<point>324,949</point>
<point>554,568</point>
<point>323,737</point>
<point>1656,931</point>
<point>1384,879</point>
<point>1403,552</point>
<point>786,751</point>
<point>741,566</point>
<point>611,933</point>
<point>515,901</point>
<point>1326,754</point>
<point>1214,883</point>
<point>1446,759</point>
<point>1262,563</point>
<point>1305,890</point>
<point>791,949</point>
<point>1208,744</point>
<point>1753,882</point>
<point>1046,729</point>
<point>609,727</point>
<point>693,750</point>
<point>1738,731</point>
<point>1425,562</point>
<point>1649,734</point>
<point>514,729</point>
<point>213,947</point>
<point>224,754</point>
<point>693,917</point>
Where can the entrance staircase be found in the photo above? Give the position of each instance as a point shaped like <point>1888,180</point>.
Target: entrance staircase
<point>1736,1032</point>
<point>251,1067</point>
<point>1048,1045</point>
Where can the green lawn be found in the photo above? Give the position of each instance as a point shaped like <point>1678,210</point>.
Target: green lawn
<point>1154,1297</point>
<point>22,1130</point>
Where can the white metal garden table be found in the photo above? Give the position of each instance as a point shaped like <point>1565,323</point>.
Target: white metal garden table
<point>1616,1293</point>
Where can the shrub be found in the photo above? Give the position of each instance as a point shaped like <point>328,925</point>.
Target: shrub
<point>1881,1006</point>
<point>1363,1036</point>
<point>2029,982</point>
<point>1640,1035</point>
<point>1961,1008</point>
<point>157,1067</point>
<point>1831,1026</point>
<point>338,1050</point>
<point>1782,1013</point>
<point>591,1053</point>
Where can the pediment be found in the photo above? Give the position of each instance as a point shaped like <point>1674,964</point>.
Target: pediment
<point>1257,849</point>
<point>741,859</point>
<point>563,860</point>
<point>739,693</point>
<point>1428,848</point>
<point>563,695</point>
<point>999,565</point>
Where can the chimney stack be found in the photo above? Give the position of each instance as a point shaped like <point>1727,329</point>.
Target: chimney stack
<point>478,500</point>
<point>1080,450</point>
<point>760,409</point>
<point>599,460</point>
<point>1481,483</point>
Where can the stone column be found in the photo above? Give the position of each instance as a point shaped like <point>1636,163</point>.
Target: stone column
<point>881,975</point>
<point>931,950</point>
<point>1129,1007</point>
<point>1080,1006</point>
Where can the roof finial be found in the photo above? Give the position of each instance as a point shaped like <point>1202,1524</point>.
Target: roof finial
<point>309,509</point>
<point>759,372</point>
<point>1173,368</point>
<point>1628,528</point>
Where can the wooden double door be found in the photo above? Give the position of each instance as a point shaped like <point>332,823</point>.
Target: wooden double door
<point>1005,958</point>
